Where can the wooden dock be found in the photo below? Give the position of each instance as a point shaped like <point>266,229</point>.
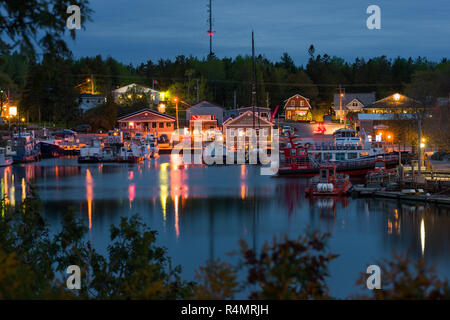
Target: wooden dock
<point>398,195</point>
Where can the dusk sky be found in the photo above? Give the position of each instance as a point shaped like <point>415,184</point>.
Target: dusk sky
<point>137,30</point>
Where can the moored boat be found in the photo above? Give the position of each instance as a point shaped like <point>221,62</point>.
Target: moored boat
<point>4,159</point>
<point>329,182</point>
<point>349,156</point>
<point>23,148</point>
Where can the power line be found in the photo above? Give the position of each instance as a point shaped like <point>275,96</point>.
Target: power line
<point>250,81</point>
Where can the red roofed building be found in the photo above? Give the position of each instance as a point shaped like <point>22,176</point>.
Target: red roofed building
<point>147,121</point>
<point>297,108</point>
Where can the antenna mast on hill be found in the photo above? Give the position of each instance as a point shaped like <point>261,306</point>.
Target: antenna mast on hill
<point>210,31</point>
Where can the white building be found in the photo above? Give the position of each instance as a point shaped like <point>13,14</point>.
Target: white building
<point>88,101</point>
<point>154,96</point>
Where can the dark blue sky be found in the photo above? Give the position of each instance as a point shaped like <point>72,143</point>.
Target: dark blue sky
<point>134,31</point>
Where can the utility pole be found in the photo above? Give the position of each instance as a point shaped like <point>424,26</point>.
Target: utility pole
<point>1,100</point>
<point>341,95</point>
<point>254,79</point>
<point>198,100</point>
<point>419,153</point>
<point>92,84</point>
<point>210,31</point>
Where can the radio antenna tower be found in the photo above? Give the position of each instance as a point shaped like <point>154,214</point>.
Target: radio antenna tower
<point>210,31</point>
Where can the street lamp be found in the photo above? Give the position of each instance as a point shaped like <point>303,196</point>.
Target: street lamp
<point>175,99</point>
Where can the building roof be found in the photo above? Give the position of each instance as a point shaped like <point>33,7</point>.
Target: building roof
<point>246,120</point>
<point>204,104</point>
<point>88,95</point>
<point>364,98</point>
<point>297,96</point>
<point>257,109</point>
<point>394,101</point>
<point>144,111</point>
<point>124,89</point>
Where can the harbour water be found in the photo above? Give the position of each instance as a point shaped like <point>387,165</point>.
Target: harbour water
<point>201,212</point>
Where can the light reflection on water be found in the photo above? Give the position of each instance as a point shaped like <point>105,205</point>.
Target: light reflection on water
<point>201,212</point>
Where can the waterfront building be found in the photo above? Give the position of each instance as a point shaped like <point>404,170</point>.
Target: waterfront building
<point>247,120</point>
<point>351,102</point>
<point>147,121</point>
<point>263,112</point>
<point>138,91</point>
<point>210,115</point>
<point>396,107</point>
<point>88,101</point>
<point>297,108</point>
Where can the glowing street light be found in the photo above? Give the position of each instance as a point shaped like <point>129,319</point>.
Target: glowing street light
<point>162,108</point>
<point>175,99</point>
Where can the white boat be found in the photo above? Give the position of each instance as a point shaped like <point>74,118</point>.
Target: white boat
<point>4,160</point>
<point>151,147</point>
<point>345,145</point>
<point>91,153</point>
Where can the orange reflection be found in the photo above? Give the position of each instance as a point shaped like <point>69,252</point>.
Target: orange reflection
<point>24,190</point>
<point>243,184</point>
<point>89,194</point>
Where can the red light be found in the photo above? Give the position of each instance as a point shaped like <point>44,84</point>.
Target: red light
<point>210,33</point>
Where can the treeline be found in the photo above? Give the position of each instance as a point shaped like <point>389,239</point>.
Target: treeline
<point>48,88</point>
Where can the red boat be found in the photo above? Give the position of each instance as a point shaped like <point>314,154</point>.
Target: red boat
<point>302,160</point>
<point>381,173</point>
<point>329,183</point>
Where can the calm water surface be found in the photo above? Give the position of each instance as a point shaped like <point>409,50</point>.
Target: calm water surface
<point>201,212</point>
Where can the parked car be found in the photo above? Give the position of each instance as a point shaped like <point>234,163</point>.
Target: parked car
<point>84,128</point>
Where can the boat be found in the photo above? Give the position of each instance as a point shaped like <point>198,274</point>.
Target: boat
<point>4,159</point>
<point>329,183</point>
<point>130,154</point>
<point>151,146</point>
<point>91,153</point>
<point>59,143</point>
<point>381,175</point>
<point>23,148</point>
<point>350,154</point>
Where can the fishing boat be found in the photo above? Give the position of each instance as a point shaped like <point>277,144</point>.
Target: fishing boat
<point>4,159</point>
<point>346,151</point>
<point>23,148</point>
<point>329,183</point>
<point>59,143</point>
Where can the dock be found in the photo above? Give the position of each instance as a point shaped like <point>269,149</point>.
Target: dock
<point>423,197</point>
